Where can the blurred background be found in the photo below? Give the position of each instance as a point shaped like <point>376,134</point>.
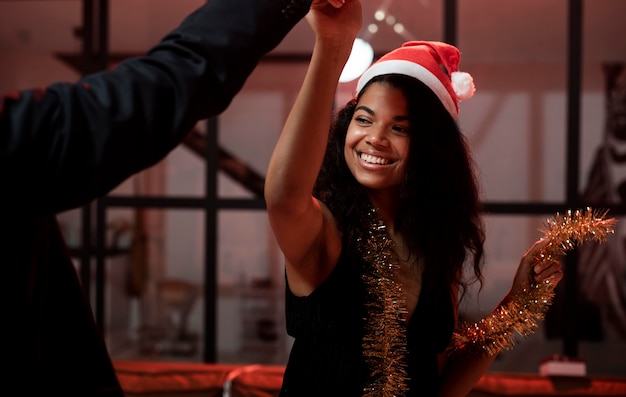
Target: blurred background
<point>180,261</point>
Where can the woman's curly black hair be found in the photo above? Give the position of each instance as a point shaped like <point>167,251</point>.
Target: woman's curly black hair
<point>439,214</point>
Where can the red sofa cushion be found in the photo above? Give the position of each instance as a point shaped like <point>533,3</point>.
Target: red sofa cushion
<point>177,379</point>
<point>172,379</point>
<point>523,385</point>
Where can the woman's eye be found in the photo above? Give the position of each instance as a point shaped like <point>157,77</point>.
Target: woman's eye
<point>402,129</point>
<point>361,120</point>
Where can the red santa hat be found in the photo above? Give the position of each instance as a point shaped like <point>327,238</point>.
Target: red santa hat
<point>434,63</point>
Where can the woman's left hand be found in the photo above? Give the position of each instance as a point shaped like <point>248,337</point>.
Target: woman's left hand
<point>534,270</point>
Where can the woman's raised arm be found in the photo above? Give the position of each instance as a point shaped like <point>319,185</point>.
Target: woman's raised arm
<point>297,219</point>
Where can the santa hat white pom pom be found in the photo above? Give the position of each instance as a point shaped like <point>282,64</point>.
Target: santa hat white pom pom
<point>463,85</point>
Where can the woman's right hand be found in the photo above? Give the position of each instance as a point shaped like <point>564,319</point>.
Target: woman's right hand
<point>335,19</point>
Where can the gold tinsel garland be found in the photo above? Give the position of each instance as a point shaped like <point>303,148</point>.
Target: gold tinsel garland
<point>520,315</point>
<point>384,341</point>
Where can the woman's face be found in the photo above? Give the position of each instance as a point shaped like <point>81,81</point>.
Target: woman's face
<point>377,141</point>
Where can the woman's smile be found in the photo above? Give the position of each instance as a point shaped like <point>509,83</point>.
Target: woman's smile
<point>372,159</point>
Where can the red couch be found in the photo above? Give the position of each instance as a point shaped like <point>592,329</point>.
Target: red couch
<point>174,379</point>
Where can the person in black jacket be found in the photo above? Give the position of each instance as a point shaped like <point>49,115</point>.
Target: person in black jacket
<point>66,144</point>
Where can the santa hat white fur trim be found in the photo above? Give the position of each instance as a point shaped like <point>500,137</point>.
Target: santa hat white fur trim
<point>415,70</point>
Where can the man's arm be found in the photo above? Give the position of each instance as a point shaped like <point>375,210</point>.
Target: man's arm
<point>70,143</point>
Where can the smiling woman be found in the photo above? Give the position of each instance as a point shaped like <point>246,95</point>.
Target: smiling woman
<point>377,221</point>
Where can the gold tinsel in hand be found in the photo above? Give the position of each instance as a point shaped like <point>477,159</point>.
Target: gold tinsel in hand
<point>521,314</point>
<point>565,232</point>
<point>384,341</point>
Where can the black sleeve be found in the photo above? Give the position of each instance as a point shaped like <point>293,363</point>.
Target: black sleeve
<point>66,144</point>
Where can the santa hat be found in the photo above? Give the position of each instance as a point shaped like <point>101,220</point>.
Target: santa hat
<point>434,63</point>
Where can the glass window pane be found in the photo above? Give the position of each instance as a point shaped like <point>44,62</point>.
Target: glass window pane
<point>137,25</point>
<point>602,282</point>
<point>250,126</point>
<point>30,49</point>
<point>516,120</point>
<point>251,325</point>
<point>153,287</point>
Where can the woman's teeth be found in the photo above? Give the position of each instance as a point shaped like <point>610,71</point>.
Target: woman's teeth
<point>373,159</point>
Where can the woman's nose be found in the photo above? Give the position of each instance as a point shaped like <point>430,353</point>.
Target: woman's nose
<point>377,137</point>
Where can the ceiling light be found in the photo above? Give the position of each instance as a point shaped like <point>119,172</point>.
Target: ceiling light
<point>360,59</point>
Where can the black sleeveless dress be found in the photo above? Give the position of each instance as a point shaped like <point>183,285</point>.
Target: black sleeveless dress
<point>326,358</point>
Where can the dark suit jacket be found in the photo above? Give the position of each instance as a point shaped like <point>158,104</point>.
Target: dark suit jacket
<point>66,144</point>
